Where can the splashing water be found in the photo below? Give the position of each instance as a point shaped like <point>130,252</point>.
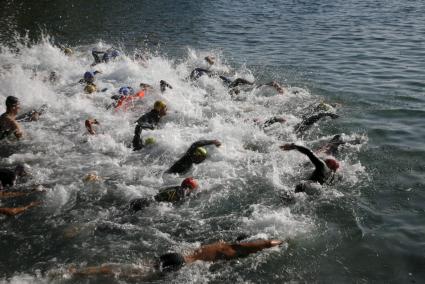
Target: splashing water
<point>241,182</point>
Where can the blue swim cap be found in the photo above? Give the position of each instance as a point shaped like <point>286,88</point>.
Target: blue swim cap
<point>89,76</point>
<point>115,53</point>
<point>126,91</point>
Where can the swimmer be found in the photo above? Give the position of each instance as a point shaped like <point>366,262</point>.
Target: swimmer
<point>164,85</point>
<point>68,51</point>
<point>231,84</point>
<point>215,252</point>
<point>104,56</point>
<point>210,59</point>
<point>17,210</point>
<point>89,125</point>
<point>170,194</point>
<point>125,98</point>
<point>89,77</point>
<point>270,121</point>
<point>145,87</point>
<point>323,173</point>
<point>307,122</point>
<point>149,120</point>
<point>332,146</point>
<point>280,90</point>
<point>32,115</point>
<point>173,261</point>
<point>8,123</point>
<point>9,177</point>
<point>196,154</point>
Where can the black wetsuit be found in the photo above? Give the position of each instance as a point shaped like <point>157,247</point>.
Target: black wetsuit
<point>321,174</point>
<point>199,72</point>
<point>170,194</point>
<point>271,121</point>
<point>147,121</point>
<point>185,163</point>
<point>310,120</point>
<point>7,177</point>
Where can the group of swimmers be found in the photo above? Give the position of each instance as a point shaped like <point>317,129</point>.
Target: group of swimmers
<point>325,164</point>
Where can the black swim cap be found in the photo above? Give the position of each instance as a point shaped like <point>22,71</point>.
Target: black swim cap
<point>11,101</point>
<point>171,261</point>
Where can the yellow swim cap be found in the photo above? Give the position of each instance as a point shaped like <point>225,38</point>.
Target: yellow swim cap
<point>90,88</point>
<point>201,152</point>
<point>150,141</point>
<point>159,105</point>
<point>68,51</point>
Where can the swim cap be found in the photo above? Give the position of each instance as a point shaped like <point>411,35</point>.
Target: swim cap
<point>126,91</point>
<point>11,101</point>
<point>90,89</point>
<point>201,152</point>
<point>21,169</point>
<point>171,261</point>
<point>89,76</point>
<point>325,106</point>
<point>332,164</point>
<point>68,51</point>
<point>159,105</point>
<point>189,182</point>
<point>115,53</point>
<point>150,141</point>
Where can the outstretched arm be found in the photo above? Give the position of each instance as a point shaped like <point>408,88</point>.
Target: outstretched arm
<point>281,90</point>
<point>309,121</point>
<point>246,248</point>
<point>17,210</point>
<point>240,81</point>
<point>273,120</point>
<point>317,162</point>
<point>201,143</point>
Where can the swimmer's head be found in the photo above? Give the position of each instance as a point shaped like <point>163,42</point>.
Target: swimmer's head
<point>199,155</point>
<point>21,170</point>
<point>160,107</point>
<point>68,51</point>
<point>115,53</point>
<point>90,89</point>
<point>150,141</point>
<point>12,102</point>
<point>190,183</point>
<point>171,261</point>
<point>332,164</point>
<point>126,91</point>
<point>209,59</point>
<point>89,77</point>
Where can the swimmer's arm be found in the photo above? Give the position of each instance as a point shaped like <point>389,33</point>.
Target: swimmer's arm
<point>314,118</point>
<point>93,270</point>
<point>281,90</point>
<point>202,143</point>
<point>17,210</point>
<point>273,120</point>
<point>246,248</point>
<point>16,128</point>
<point>318,163</point>
<point>4,195</point>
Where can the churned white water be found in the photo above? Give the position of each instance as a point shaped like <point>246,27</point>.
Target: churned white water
<point>241,183</point>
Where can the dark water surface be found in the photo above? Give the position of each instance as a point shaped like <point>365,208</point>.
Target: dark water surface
<point>368,55</point>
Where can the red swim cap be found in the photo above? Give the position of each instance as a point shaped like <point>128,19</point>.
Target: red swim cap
<point>332,164</point>
<point>190,183</point>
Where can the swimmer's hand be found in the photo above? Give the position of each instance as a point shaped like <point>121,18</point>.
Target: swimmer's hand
<point>217,143</point>
<point>288,147</point>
